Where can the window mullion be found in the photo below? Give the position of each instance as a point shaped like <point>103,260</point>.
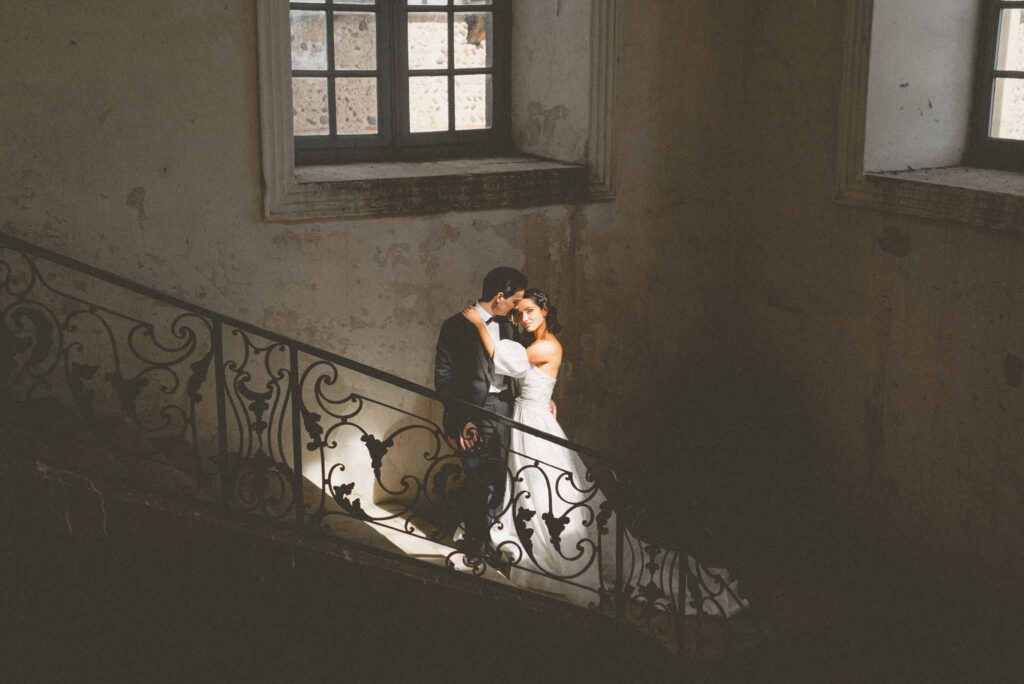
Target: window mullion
<point>387,63</point>
<point>399,72</point>
<point>451,66</point>
<point>332,102</point>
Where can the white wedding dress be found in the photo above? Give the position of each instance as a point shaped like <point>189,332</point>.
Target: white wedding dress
<point>557,528</point>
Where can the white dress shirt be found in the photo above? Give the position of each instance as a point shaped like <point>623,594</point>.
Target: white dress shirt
<point>499,382</point>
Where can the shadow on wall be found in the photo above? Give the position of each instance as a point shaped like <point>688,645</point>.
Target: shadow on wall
<point>730,448</point>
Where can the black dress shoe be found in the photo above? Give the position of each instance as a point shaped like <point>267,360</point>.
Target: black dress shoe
<point>481,551</point>
<point>472,548</point>
<point>497,560</point>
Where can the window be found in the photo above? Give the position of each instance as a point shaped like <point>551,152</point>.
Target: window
<point>399,79</point>
<point>549,143</point>
<point>999,108</point>
<point>915,112</point>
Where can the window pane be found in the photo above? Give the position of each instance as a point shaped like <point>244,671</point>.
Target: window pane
<point>309,106</point>
<point>1008,109</point>
<point>1010,53</point>
<point>356,105</point>
<point>428,104</point>
<point>472,38</point>
<point>428,40</point>
<point>309,40</point>
<point>428,2</point>
<point>472,102</point>
<point>355,40</point>
<point>472,2</point>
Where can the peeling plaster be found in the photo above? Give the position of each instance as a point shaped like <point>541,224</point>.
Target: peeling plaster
<point>393,255</point>
<point>439,236</point>
<point>543,123</point>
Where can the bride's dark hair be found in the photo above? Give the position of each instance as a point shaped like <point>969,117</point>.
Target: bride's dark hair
<point>544,302</point>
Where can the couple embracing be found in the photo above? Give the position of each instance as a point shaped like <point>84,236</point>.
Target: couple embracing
<point>523,500</point>
<point>529,507</point>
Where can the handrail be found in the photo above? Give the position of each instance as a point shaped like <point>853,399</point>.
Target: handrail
<point>370,371</point>
<point>661,578</point>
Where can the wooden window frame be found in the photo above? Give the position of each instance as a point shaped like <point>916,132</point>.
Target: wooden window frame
<point>393,141</point>
<point>984,150</point>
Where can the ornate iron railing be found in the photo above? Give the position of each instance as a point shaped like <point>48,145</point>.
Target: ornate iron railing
<point>129,382</point>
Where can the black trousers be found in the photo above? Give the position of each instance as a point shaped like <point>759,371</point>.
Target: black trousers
<point>485,471</point>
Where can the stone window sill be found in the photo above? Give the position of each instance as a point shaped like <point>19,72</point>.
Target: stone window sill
<point>418,188</point>
<point>981,197</point>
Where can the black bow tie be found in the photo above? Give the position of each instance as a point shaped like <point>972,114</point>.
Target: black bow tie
<point>490,320</point>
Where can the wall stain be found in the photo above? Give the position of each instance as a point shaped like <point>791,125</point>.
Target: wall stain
<point>895,243</point>
<point>356,323</point>
<point>294,238</point>
<point>20,201</point>
<point>439,235</point>
<point>393,256</point>
<point>137,201</point>
<point>775,301</point>
<point>1013,370</point>
<point>543,122</point>
<point>319,331</point>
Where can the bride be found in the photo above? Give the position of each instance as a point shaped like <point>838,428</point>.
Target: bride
<point>555,526</point>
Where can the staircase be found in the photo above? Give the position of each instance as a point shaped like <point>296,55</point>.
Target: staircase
<point>128,394</point>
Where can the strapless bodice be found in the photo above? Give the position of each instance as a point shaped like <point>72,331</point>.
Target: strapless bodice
<point>535,387</point>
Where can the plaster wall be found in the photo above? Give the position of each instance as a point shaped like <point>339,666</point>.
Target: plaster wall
<point>550,78</point>
<point>902,337</point>
<point>920,85</point>
<point>129,140</point>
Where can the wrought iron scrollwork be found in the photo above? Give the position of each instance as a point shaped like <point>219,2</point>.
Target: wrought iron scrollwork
<point>258,469</point>
<point>185,399</point>
<point>97,381</point>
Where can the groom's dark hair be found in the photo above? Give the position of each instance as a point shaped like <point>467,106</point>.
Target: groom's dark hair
<point>503,279</point>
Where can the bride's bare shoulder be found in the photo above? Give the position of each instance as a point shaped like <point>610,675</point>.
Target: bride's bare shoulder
<point>548,349</point>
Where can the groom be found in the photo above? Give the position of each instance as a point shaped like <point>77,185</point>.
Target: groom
<point>463,370</point>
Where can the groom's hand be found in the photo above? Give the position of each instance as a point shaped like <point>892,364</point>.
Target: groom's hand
<point>469,436</point>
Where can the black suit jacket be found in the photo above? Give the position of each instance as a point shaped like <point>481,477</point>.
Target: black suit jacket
<point>461,367</point>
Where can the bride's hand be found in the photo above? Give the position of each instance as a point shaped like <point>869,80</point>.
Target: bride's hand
<point>472,314</point>
<point>553,409</point>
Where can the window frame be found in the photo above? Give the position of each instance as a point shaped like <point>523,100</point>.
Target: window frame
<point>984,150</point>
<point>394,142</point>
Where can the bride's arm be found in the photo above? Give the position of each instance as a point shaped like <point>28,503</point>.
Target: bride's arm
<point>473,316</point>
